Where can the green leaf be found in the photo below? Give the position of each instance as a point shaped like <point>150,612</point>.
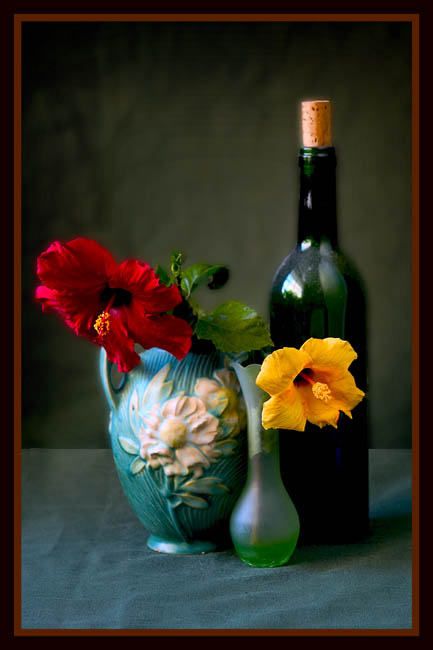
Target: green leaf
<point>233,327</point>
<point>219,278</point>
<point>164,277</point>
<point>208,485</point>
<point>196,274</point>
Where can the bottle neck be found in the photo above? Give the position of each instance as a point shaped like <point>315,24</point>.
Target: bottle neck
<point>317,197</point>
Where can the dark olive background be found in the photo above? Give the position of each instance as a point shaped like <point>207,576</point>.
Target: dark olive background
<point>149,137</point>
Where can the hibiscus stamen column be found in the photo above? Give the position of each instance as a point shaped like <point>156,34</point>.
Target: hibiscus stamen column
<point>102,323</point>
<point>320,390</point>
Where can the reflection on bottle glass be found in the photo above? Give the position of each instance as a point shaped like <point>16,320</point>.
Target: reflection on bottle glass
<point>291,286</point>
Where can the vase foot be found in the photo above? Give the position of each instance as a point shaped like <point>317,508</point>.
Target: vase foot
<point>170,546</point>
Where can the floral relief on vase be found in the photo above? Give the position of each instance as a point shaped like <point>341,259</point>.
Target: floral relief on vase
<point>183,436</point>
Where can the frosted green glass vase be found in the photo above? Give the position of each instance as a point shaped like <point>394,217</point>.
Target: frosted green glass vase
<point>264,524</point>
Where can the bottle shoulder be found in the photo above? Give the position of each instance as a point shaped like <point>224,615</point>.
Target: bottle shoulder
<point>306,263</point>
<point>319,293</point>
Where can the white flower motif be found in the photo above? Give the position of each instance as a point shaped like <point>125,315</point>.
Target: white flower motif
<point>179,436</point>
<point>222,395</point>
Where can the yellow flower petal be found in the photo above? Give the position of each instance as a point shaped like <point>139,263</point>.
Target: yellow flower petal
<point>317,411</point>
<point>284,411</point>
<point>280,368</point>
<point>329,353</point>
<point>345,393</point>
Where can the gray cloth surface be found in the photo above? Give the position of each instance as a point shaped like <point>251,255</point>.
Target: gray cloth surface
<point>85,563</point>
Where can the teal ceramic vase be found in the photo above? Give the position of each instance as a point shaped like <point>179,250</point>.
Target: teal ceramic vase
<point>264,524</point>
<point>178,435</point>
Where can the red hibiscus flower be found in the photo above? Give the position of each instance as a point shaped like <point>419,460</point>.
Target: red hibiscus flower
<point>113,305</point>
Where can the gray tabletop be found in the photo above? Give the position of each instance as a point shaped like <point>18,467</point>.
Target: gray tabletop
<point>85,563</point>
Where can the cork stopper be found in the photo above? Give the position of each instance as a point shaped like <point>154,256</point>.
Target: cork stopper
<point>316,123</point>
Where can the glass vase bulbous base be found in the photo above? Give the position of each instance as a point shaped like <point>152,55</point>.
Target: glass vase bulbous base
<point>267,555</point>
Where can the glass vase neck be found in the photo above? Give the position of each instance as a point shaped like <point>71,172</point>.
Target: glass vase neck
<point>259,439</point>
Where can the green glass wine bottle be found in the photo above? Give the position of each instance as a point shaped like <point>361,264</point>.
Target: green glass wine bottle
<point>316,292</point>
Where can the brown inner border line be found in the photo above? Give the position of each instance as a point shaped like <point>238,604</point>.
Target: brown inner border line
<point>329,17</point>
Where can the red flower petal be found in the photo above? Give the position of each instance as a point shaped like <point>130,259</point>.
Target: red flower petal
<point>78,311</point>
<point>164,331</point>
<point>144,286</point>
<point>119,346</point>
<point>47,298</point>
<point>80,265</point>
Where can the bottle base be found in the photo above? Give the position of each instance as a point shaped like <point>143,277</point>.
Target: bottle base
<point>333,538</point>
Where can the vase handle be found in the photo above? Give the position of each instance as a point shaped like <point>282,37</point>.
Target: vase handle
<point>111,391</point>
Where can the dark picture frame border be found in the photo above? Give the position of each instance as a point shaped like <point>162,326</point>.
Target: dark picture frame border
<point>19,19</point>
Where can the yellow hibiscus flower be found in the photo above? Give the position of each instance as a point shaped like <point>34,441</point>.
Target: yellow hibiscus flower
<point>312,383</point>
